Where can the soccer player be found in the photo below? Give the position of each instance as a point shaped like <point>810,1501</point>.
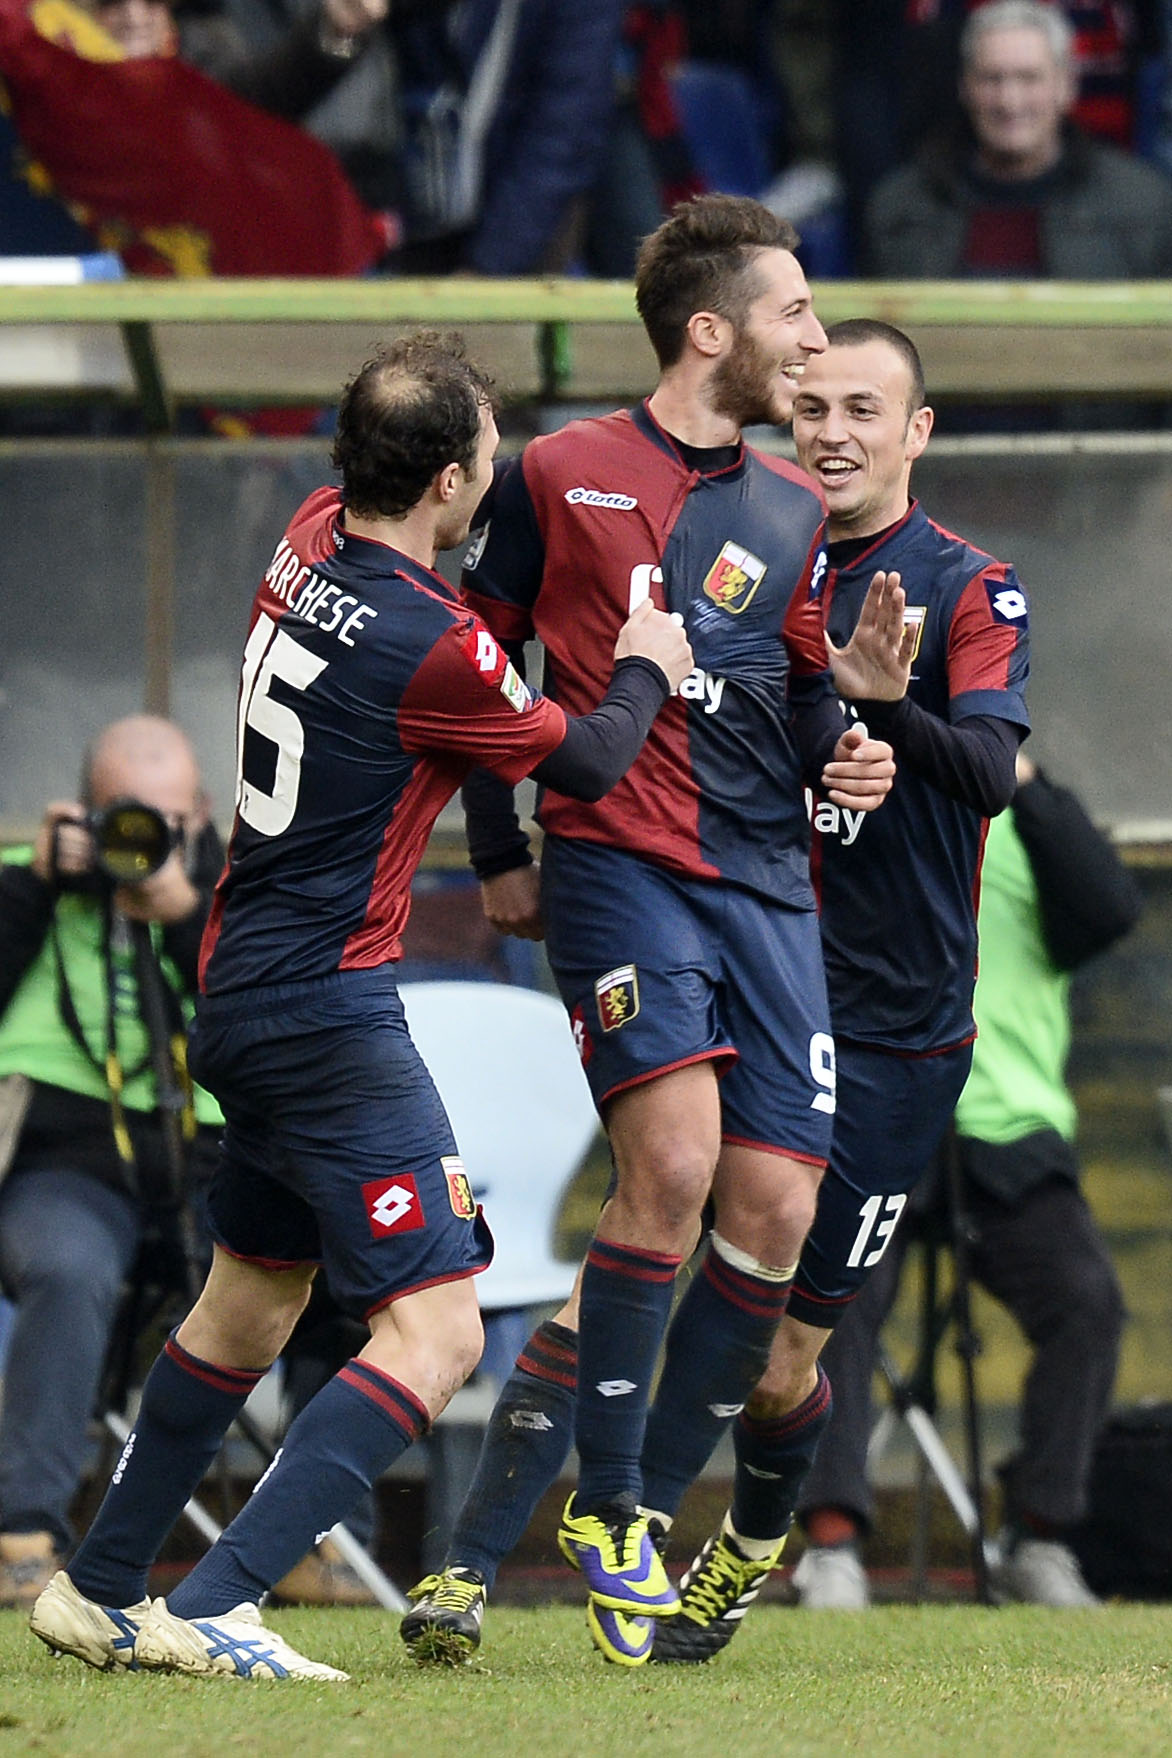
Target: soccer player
<point>898,902</point>
<point>679,913</point>
<point>897,899</point>
<point>368,693</point>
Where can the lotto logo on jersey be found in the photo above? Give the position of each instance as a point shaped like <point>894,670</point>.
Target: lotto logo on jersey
<point>1008,603</point>
<point>484,654</point>
<point>913,618</point>
<point>459,1190</point>
<point>617,995</point>
<point>583,1042</point>
<point>818,575</point>
<point>393,1206</point>
<point>733,578</point>
<point>597,497</point>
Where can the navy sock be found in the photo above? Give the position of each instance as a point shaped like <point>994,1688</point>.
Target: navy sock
<point>625,1303</point>
<point>525,1446</point>
<point>773,1458</point>
<point>187,1407</point>
<point>717,1349</point>
<point>347,1435</point>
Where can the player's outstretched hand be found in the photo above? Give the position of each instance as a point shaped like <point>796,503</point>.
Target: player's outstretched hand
<point>512,902</point>
<point>654,635</point>
<point>860,773</point>
<point>876,662</point>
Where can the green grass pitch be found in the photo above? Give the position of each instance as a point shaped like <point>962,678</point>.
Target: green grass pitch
<point>900,1681</point>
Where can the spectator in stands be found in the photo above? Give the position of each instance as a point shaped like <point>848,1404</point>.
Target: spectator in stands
<point>1053,894</point>
<point>288,78</point>
<point>96,975</point>
<point>1022,193</point>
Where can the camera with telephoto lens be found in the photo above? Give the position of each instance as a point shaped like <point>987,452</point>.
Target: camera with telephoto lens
<point>131,840</point>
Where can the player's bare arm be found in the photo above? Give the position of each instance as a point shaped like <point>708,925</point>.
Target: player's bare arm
<point>860,773</point>
<point>875,664</point>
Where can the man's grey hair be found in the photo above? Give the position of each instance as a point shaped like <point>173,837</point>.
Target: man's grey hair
<point>1035,15</point>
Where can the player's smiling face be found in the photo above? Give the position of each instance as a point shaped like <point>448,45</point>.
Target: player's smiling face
<point>856,436</point>
<point>758,378</point>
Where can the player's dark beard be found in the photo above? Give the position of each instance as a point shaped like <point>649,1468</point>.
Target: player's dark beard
<point>744,383</point>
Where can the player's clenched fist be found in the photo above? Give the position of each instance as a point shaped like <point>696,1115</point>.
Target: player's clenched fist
<point>860,773</point>
<point>652,634</point>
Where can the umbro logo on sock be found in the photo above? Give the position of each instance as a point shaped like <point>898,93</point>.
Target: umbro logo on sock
<point>616,1388</point>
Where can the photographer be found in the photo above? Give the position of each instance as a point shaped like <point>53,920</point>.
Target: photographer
<point>101,1130</point>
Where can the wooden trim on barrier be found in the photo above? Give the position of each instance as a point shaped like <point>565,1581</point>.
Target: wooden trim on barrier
<point>258,341</point>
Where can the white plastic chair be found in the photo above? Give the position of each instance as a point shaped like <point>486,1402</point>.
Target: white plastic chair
<point>505,1066</point>
<point>506,1069</point>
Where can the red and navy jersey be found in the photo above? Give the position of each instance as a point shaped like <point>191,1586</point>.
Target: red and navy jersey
<point>898,887</point>
<point>368,693</point>
<point>607,512</point>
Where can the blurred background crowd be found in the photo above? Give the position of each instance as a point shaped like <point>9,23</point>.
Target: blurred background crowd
<point>517,137</point>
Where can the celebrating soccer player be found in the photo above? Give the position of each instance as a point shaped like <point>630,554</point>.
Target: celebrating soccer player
<point>368,692</point>
<point>679,913</point>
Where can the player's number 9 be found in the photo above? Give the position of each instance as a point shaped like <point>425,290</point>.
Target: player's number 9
<point>823,1072</point>
<point>271,653</point>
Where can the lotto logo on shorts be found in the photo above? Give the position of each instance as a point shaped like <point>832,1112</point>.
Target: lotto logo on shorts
<point>617,995</point>
<point>583,1042</point>
<point>393,1206</point>
<point>459,1190</point>
<point>733,578</point>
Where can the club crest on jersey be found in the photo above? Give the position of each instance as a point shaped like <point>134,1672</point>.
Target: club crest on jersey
<point>459,1190</point>
<point>733,578</point>
<point>913,618</point>
<point>393,1205</point>
<point>617,995</point>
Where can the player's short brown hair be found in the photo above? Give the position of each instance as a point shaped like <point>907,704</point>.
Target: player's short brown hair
<point>415,407</point>
<point>856,332</point>
<point>702,258</point>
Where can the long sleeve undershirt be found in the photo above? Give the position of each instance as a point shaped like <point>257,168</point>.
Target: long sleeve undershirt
<point>597,750</point>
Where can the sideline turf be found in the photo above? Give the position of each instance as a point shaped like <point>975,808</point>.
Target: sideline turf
<point>898,1680</point>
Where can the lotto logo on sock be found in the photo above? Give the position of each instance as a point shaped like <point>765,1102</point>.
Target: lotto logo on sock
<point>393,1205</point>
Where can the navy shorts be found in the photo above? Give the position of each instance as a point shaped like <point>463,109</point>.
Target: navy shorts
<point>892,1114</point>
<point>336,1148</point>
<point>657,971</point>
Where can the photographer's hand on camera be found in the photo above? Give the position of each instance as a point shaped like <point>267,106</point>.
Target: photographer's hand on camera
<point>64,848</point>
<point>65,852</point>
<point>168,896</point>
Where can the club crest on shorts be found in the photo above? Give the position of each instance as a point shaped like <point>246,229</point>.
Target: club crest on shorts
<point>459,1190</point>
<point>913,618</point>
<point>734,577</point>
<point>393,1205</point>
<point>617,995</point>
